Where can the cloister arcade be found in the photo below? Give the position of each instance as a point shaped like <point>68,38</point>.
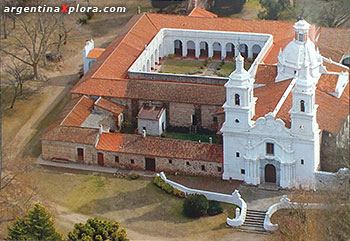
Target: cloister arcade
<point>215,50</point>
<point>201,45</point>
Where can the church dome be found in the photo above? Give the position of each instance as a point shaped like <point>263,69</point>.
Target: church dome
<point>300,51</point>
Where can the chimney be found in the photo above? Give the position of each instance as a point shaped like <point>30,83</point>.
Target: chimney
<point>210,140</point>
<point>144,133</point>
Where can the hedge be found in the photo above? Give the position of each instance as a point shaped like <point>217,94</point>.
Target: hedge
<point>159,182</point>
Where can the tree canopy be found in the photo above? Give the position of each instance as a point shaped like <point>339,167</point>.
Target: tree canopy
<point>96,229</point>
<point>35,225</point>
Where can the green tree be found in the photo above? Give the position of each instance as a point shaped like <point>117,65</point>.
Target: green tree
<point>272,9</point>
<point>96,229</point>
<point>35,225</point>
<point>195,205</point>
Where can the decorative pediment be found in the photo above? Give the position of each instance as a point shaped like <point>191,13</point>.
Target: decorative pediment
<point>269,124</point>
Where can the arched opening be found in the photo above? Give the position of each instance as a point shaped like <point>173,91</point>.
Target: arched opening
<point>191,49</point>
<point>237,99</point>
<point>302,106</point>
<point>152,62</point>
<point>243,49</point>
<point>178,47</point>
<point>157,56</point>
<point>256,50</point>
<point>270,173</point>
<point>160,51</point>
<point>346,61</point>
<point>203,49</point>
<point>230,51</point>
<point>216,50</point>
<point>148,66</point>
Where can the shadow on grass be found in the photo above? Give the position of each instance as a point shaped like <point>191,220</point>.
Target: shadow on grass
<point>160,206</point>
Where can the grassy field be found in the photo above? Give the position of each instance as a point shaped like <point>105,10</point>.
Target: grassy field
<point>190,137</point>
<point>138,205</point>
<point>229,67</point>
<point>181,66</point>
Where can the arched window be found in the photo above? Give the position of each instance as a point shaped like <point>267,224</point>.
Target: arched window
<point>237,99</point>
<point>302,106</point>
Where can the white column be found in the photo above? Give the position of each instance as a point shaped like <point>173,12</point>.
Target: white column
<point>223,51</point>
<point>210,50</point>
<point>184,48</point>
<point>197,49</point>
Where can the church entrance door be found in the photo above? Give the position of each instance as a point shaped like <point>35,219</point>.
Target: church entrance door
<point>270,173</point>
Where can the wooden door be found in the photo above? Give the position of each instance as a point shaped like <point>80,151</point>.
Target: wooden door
<point>100,159</point>
<point>150,164</point>
<point>80,155</point>
<point>270,173</point>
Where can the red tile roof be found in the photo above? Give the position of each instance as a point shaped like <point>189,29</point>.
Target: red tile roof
<point>110,106</point>
<point>266,74</point>
<point>95,53</point>
<point>160,147</point>
<point>200,12</point>
<point>79,112</point>
<point>71,134</point>
<point>108,77</point>
<point>150,112</point>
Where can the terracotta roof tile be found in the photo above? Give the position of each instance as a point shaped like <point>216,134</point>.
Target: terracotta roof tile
<point>110,106</point>
<point>159,147</point>
<point>79,112</point>
<point>266,74</point>
<point>95,53</point>
<point>71,134</point>
<point>150,112</point>
<point>200,12</point>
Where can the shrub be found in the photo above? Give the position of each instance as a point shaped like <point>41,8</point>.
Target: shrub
<point>83,20</point>
<point>134,176</point>
<point>178,193</point>
<point>158,181</point>
<point>214,208</point>
<point>167,188</point>
<point>171,56</point>
<point>195,205</point>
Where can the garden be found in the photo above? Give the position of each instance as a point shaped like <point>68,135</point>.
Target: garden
<point>182,66</point>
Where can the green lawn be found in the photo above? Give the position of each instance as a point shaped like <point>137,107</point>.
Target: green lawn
<point>190,137</point>
<point>181,66</point>
<point>142,208</point>
<point>229,67</point>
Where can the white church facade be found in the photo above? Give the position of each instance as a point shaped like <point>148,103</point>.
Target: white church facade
<point>266,150</point>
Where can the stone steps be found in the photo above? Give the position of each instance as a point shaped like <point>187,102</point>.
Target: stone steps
<point>254,222</point>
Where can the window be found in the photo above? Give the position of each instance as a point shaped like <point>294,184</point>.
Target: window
<point>243,171</point>
<point>116,159</point>
<point>270,148</point>
<point>163,128</point>
<point>237,100</point>
<point>80,154</point>
<point>203,168</point>
<point>302,106</point>
<point>302,161</point>
<point>219,169</point>
<point>187,163</point>
<point>132,161</point>
<point>301,37</point>
<point>170,161</point>
<point>238,154</point>
<point>215,119</point>
<point>237,121</point>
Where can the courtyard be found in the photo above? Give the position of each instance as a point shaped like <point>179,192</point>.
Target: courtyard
<point>200,67</point>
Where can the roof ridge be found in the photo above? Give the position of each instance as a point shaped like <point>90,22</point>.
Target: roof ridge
<point>72,109</point>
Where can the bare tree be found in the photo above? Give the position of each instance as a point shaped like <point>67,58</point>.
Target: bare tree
<point>37,32</point>
<point>18,73</point>
<point>335,13</point>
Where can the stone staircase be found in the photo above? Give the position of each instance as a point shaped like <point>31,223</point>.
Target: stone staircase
<point>254,222</point>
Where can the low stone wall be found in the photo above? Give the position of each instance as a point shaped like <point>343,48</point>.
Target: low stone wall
<point>329,180</point>
<point>234,198</point>
<point>178,78</point>
<point>285,203</point>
